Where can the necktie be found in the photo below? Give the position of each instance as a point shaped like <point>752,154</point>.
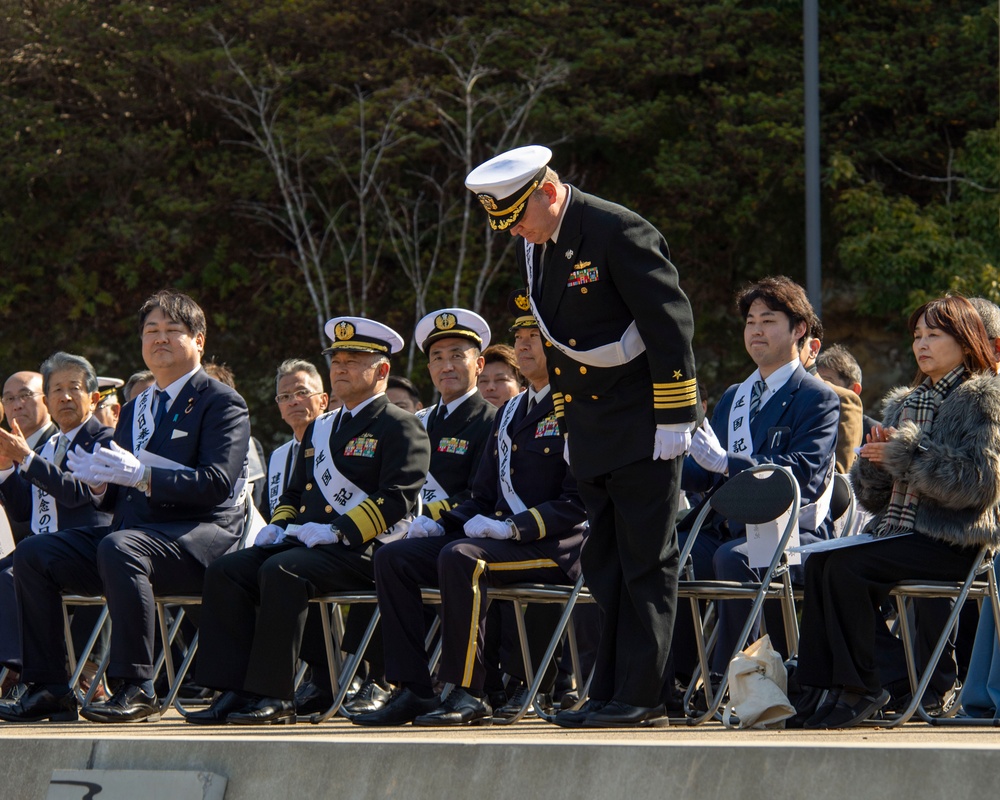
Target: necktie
<point>162,402</point>
<point>345,415</point>
<point>293,452</point>
<point>531,404</point>
<point>442,413</point>
<point>61,447</point>
<point>755,395</point>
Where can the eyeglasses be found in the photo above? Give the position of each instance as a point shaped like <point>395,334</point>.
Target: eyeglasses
<point>22,397</point>
<point>301,394</point>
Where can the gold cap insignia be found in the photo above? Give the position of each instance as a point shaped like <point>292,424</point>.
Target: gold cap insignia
<point>522,302</point>
<point>445,321</point>
<point>488,202</point>
<point>344,330</point>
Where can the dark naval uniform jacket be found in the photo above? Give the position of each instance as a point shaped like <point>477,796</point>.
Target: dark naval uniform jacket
<point>72,497</point>
<point>457,446</point>
<point>609,268</point>
<point>554,519</point>
<point>383,450</point>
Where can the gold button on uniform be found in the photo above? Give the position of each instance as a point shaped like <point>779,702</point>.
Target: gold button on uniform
<point>499,513</point>
<point>309,486</point>
<point>302,510</point>
<point>593,397</point>
<point>583,370</point>
<point>568,398</point>
<point>328,509</point>
<point>583,290</point>
<point>513,447</point>
<point>572,342</point>
<point>545,450</point>
<point>558,371</point>
<point>548,344</point>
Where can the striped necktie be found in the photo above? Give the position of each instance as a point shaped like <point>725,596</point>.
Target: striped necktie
<point>755,396</point>
<point>61,447</point>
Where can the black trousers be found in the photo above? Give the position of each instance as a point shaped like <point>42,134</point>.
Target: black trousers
<point>255,605</point>
<point>843,592</point>
<point>128,567</point>
<point>630,564</point>
<point>463,569</point>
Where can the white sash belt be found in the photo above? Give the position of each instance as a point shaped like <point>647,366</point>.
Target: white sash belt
<point>44,510</point>
<point>505,449</point>
<point>339,492</point>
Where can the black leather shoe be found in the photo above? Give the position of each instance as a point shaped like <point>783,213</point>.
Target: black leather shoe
<point>458,708</point>
<point>265,711</point>
<point>621,715</point>
<point>129,704</point>
<point>222,706</point>
<point>826,705</point>
<point>370,697</point>
<point>806,705</point>
<point>403,706</point>
<point>512,707</point>
<point>310,699</point>
<point>575,719</point>
<point>38,704</point>
<point>853,709</point>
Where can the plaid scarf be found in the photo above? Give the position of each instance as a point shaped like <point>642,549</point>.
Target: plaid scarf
<point>919,407</point>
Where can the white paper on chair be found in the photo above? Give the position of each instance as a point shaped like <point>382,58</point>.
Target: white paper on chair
<point>844,541</point>
<point>762,540</point>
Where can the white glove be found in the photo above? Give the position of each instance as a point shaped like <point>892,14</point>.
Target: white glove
<point>480,527</point>
<point>669,444</point>
<point>81,466</point>
<point>424,527</point>
<point>312,534</point>
<point>268,534</point>
<point>708,451</point>
<point>116,465</point>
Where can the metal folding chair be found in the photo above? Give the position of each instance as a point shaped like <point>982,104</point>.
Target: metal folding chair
<point>974,586</point>
<point>755,496</point>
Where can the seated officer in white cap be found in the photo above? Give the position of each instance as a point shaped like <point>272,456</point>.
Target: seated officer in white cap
<point>523,522</point>
<point>459,429</point>
<point>358,473</point>
<point>618,330</point>
<point>109,406</point>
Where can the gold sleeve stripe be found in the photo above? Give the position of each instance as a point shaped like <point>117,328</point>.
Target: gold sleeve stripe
<point>675,391</point>
<point>679,404</point>
<point>510,566</point>
<point>283,513</point>
<point>692,382</point>
<point>436,509</point>
<point>473,640</point>
<point>539,521</point>
<point>368,518</point>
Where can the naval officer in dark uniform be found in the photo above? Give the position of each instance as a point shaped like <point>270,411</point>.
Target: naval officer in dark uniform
<point>618,330</point>
<point>523,522</point>
<point>459,430</point>
<point>358,473</point>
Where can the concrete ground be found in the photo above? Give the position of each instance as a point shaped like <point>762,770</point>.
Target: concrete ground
<point>530,759</point>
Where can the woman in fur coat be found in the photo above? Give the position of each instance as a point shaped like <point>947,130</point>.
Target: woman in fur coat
<point>930,475</point>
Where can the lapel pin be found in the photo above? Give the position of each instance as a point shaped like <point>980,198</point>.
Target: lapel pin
<point>190,405</point>
<point>569,254</point>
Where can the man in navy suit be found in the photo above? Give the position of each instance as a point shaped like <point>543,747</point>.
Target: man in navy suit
<point>778,415</point>
<point>36,487</point>
<point>174,479</point>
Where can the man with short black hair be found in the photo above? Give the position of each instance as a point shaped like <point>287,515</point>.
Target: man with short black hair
<point>174,478</point>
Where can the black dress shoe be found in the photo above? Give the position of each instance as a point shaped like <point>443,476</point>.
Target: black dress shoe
<point>512,707</point>
<point>38,704</point>
<point>131,703</point>
<point>826,705</point>
<point>310,699</point>
<point>617,714</point>
<point>853,709</point>
<point>458,708</point>
<point>403,706</point>
<point>806,705</point>
<point>370,697</point>
<point>264,711</point>
<point>222,706</point>
<point>575,719</point>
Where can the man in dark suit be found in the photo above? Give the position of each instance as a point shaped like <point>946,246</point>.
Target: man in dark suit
<point>618,330</point>
<point>779,415</point>
<point>459,430</point>
<point>35,485</point>
<point>23,400</point>
<point>359,473</point>
<point>174,478</point>
<point>522,522</point>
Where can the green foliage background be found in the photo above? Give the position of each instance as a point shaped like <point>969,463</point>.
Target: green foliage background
<point>120,173</point>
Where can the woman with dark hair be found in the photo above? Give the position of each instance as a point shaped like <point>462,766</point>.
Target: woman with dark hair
<point>932,471</point>
<point>500,379</point>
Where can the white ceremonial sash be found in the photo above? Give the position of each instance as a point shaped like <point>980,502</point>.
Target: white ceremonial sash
<point>44,511</point>
<point>505,449</point>
<point>276,477</point>
<point>143,424</point>
<point>339,492</point>
<point>811,515</point>
<point>432,490</point>
<point>613,354</point>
